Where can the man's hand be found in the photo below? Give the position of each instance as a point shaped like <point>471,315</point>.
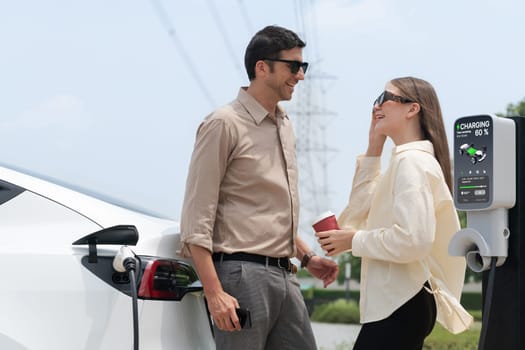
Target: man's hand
<point>324,269</point>
<point>222,309</point>
<point>221,304</point>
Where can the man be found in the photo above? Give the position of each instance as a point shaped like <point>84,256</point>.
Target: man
<point>240,213</point>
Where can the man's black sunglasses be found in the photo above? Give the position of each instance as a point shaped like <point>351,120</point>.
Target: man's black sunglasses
<point>294,65</point>
<point>388,96</point>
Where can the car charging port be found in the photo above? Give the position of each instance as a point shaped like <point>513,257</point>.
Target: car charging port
<point>120,278</point>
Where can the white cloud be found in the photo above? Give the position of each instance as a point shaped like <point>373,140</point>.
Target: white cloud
<point>64,111</point>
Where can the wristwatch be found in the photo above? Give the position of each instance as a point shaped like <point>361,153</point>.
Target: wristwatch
<point>306,259</point>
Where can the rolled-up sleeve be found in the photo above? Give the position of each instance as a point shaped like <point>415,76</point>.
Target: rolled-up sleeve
<point>206,171</point>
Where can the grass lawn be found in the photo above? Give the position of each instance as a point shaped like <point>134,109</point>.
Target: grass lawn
<point>441,339</point>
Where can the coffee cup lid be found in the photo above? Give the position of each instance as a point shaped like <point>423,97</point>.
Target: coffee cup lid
<point>323,216</point>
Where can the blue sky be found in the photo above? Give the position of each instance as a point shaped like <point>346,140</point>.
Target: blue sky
<point>108,94</point>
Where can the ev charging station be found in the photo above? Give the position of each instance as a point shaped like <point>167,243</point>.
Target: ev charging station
<point>489,187</point>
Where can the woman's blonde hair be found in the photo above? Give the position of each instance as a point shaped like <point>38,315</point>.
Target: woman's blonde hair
<point>431,119</point>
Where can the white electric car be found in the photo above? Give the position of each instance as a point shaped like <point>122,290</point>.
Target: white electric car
<point>59,289</point>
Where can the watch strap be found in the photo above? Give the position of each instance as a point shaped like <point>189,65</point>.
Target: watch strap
<point>306,259</point>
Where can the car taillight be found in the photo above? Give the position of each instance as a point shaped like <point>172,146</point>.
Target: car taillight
<point>165,279</point>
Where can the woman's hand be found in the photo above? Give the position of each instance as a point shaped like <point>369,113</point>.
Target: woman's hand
<point>376,140</point>
<point>335,242</point>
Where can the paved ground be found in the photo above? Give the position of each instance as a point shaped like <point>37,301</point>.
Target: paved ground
<point>330,336</point>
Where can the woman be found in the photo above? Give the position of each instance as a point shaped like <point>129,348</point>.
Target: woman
<point>400,224</point>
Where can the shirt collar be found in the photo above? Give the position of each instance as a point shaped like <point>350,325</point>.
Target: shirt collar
<point>423,145</point>
<point>254,108</point>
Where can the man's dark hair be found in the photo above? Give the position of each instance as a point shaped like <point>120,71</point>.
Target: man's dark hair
<point>268,43</point>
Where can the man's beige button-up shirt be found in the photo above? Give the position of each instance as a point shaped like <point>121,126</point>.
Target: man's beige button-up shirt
<point>241,192</point>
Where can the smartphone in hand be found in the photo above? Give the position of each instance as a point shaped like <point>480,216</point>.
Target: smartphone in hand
<point>245,318</point>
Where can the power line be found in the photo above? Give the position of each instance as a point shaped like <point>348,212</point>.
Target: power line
<point>298,15</point>
<point>245,16</point>
<point>233,55</point>
<point>165,20</point>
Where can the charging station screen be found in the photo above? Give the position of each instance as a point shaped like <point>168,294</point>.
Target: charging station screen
<point>473,142</point>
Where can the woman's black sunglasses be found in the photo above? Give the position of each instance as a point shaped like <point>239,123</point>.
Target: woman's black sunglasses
<point>294,65</point>
<point>388,96</point>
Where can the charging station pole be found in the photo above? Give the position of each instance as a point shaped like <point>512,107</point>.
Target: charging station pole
<point>506,323</point>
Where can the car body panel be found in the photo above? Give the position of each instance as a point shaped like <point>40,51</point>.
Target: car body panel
<point>51,301</point>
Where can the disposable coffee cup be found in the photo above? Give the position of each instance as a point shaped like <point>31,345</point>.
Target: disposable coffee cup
<point>326,221</point>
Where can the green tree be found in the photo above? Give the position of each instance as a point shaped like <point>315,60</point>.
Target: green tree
<point>514,110</point>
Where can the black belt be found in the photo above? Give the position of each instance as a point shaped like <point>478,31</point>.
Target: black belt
<point>283,263</point>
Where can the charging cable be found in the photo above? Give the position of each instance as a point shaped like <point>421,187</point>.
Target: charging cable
<point>488,304</point>
<point>125,261</point>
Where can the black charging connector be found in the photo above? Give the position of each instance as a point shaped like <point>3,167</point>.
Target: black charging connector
<point>126,261</point>
<point>131,265</point>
